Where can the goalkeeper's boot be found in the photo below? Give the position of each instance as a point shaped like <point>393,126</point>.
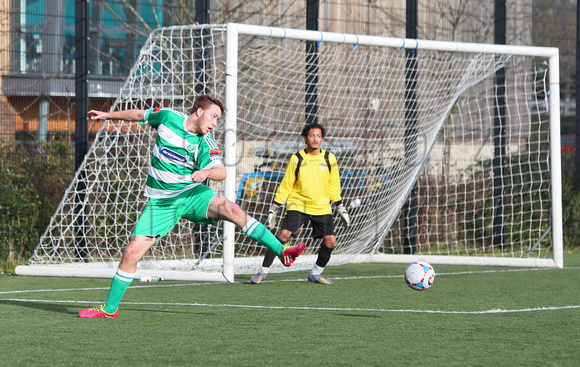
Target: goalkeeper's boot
<point>258,278</point>
<point>291,253</point>
<point>97,312</point>
<point>319,279</point>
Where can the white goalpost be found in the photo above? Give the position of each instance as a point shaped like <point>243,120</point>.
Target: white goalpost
<point>448,152</point>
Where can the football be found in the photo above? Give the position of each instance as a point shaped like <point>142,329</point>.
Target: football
<point>419,275</point>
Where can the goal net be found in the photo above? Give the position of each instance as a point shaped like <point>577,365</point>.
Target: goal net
<point>447,152</point>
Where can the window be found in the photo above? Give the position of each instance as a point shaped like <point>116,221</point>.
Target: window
<point>118,29</point>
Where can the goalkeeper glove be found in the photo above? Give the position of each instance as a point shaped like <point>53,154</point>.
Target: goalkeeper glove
<point>344,215</point>
<point>271,221</point>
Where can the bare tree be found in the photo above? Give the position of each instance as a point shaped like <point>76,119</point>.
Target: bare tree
<point>555,26</point>
<point>132,28</point>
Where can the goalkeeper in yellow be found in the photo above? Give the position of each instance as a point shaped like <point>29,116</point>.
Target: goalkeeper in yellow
<point>311,182</point>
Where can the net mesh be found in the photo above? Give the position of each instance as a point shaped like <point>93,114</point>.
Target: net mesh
<point>416,166</point>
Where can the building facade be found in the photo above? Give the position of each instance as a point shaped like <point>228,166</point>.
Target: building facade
<point>37,43</point>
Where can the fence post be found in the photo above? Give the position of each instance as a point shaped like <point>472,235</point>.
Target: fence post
<point>499,132</point>
<point>410,227</point>
<point>81,120</point>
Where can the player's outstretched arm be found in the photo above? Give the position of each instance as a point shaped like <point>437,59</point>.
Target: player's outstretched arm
<point>126,115</point>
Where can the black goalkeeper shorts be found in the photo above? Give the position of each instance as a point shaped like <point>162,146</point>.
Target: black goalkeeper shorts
<point>322,225</point>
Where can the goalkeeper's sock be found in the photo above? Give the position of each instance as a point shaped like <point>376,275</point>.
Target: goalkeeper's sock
<point>317,270</point>
<point>323,256</point>
<point>268,259</point>
<point>258,232</point>
<point>119,285</point>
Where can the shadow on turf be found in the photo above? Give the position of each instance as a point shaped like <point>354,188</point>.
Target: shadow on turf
<point>74,310</point>
<point>204,314</point>
<point>41,306</point>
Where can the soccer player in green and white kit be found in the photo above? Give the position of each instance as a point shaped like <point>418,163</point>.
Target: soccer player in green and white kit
<point>185,154</point>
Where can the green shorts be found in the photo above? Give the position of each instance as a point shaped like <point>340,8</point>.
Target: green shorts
<point>160,215</point>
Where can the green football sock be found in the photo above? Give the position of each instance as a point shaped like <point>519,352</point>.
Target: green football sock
<point>119,285</point>
<point>258,232</point>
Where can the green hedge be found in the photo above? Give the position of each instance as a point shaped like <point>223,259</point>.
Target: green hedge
<point>32,183</point>
<point>570,202</point>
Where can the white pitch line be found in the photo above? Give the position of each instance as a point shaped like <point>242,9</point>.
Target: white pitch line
<point>303,308</point>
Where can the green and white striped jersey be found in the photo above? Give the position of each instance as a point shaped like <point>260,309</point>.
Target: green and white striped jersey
<point>177,154</point>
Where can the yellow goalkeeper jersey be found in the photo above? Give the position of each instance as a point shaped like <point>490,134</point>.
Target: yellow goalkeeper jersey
<point>317,184</point>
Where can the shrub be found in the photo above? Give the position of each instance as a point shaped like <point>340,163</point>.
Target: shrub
<point>31,186</point>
